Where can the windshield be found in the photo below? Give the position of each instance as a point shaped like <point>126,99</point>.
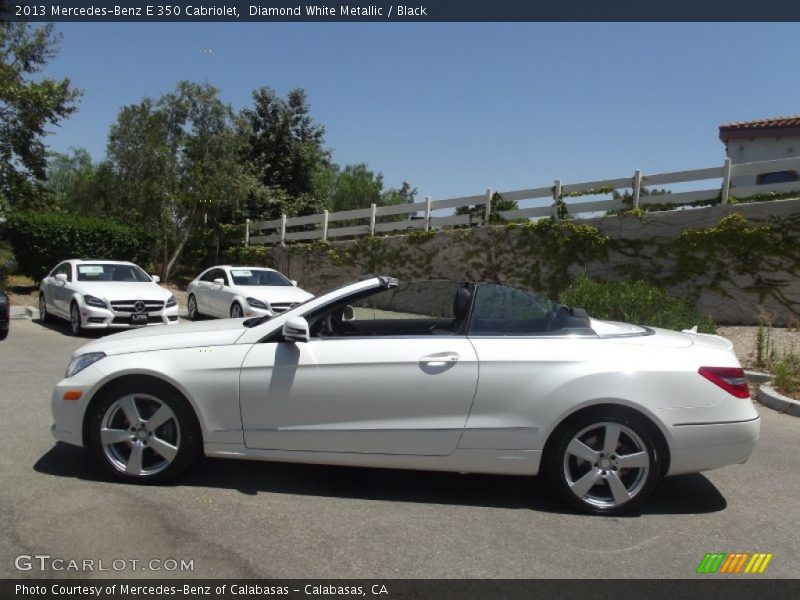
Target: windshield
<point>112,272</point>
<point>257,277</point>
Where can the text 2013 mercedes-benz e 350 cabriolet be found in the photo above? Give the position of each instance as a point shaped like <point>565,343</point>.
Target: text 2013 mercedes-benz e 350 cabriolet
<point>448,376</point>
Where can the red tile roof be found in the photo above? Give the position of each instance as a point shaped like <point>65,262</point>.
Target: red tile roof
<point>776,126</point>
<point>774,123</point>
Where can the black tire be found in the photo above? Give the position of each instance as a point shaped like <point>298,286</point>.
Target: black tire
<point>184,434</point>
<point>75,324</point>
<point>236,307</point>
<point>194,315</point>
<point>601,470</point>
<point>44,316</point>
<point>4,333</point>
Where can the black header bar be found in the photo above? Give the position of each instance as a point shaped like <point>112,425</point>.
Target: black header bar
<point>412,11</point>
<point>706,587</point>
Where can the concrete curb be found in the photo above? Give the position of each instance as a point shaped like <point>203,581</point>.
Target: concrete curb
<point>758,376</point>
<point>24,312</point>
<point>769,397</point>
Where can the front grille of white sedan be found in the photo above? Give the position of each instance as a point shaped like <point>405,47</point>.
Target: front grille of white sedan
<point>279,307</point>
<point>130,306</point>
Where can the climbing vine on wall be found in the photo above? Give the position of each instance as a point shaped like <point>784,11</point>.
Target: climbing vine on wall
<point>730,257</point>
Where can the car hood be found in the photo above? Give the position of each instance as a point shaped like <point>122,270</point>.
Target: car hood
<point>122,290</point>
<point>276,293</point>
<point>220,332</point>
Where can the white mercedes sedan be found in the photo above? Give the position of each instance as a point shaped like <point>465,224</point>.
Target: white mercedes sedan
<point>236,292</point>
<point>105,294</point>
<point>464,377</point>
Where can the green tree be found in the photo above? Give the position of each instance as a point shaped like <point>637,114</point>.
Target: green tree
<point>356,186</point>
<point>28,105</point>
<point>177,162</point>
<point>285,145</point>
<point>77,185</point>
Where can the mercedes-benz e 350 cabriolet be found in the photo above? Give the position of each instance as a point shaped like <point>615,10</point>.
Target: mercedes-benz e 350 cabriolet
<point>449,376</point>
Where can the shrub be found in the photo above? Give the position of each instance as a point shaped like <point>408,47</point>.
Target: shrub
<point>786,373</point>
<point>40,241</point>
<point>255,256</point>
<point>635,302</point>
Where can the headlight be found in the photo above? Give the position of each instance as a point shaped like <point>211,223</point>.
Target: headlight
<point>79,363</point>
<point>94,301</point>
<point>171,301</point>
<point>257,303</point>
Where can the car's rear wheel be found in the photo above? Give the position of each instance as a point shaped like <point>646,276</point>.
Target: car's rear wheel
<point>44,316</point>
<point>605,463</point>
<point>144,432</point>
<point>75,323</point>
<point>191,304</point>
<point>236,311</point>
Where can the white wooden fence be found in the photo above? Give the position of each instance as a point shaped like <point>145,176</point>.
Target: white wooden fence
<point>279,231</point>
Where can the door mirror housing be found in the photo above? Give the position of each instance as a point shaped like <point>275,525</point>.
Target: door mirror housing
<point>294,282</point>
<point>155,278</point>
<point>296,330</point>
<point>220,282</point>
<point>348,314</point>
<point>62,277</point>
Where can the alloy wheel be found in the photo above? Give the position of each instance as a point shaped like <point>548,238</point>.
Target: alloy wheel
<point>75,320</point>
<point>42,308</point>
<point>192,308</point>
<point>236,311</point>
<point>140,435</point>
<point>606,465</point>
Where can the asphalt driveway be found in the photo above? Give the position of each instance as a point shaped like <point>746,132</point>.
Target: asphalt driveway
<point>249,519</point>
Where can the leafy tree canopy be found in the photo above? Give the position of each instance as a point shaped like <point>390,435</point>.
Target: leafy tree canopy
<point>285,145</point>
<point>28,106</point>
<point>177,161</point>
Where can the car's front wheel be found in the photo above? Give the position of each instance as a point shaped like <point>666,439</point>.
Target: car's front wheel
<point>144,432</point>
<point>191,305</point>
<point>236,311</point>
<point>75,323</point>
<point>44,316</point>
<point>605,463</point>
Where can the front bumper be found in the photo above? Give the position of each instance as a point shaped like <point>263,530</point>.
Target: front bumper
<point>104,318</point>
<point>703,446</point>
<point>68,414</point>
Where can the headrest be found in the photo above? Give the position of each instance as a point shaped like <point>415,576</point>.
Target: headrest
<point>461,303</point>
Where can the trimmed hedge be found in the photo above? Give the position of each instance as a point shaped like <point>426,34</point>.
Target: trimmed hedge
<point>41,240</point>
<point>635,302</point>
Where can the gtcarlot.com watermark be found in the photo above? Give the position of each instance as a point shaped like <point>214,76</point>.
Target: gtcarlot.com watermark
<point>48,563</point>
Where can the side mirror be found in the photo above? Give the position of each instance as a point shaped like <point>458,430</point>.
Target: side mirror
<point>155,278</point>
<point>294,282</point>
<point>62,277</point>
<point>220,282</point>
<point>348,314</point>
<point>296,330</point>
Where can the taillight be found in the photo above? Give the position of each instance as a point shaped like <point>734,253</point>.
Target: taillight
<point>730,379</point>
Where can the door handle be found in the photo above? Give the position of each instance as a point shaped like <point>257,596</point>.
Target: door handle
<point>439,360</point>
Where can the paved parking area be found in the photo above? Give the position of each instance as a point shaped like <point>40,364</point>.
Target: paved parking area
<point>248,519</point>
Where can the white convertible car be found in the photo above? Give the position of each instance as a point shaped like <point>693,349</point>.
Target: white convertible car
<point>237,292</point>
<point>105,294</point>
<point>477,378</point>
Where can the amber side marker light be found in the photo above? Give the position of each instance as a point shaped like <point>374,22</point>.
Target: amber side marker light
<point>73,395</point>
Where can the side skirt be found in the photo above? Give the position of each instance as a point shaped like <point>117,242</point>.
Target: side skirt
<point>499,462</point>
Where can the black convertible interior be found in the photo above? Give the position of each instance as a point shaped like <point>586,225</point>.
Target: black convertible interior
<point>339,321</point>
